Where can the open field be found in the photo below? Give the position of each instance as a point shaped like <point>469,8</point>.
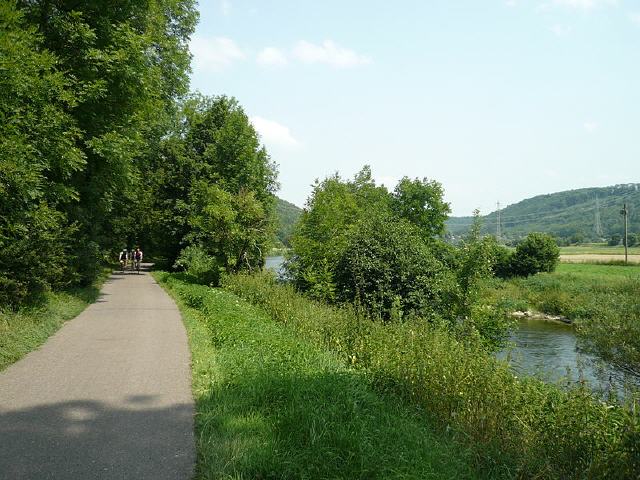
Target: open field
<point>598,258</point>
<point>597,249</point>
<point>598,272</point>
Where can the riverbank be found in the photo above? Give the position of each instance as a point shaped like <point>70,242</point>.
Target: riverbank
<point>600,300</point>
<point>28,327</point>
<point>271,404</point>
<point>508,422</point>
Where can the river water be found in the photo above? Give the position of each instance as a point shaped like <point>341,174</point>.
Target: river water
<point>548,350</point>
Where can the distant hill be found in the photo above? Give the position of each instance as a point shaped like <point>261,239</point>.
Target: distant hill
<point>569,215</point>
<point>288,215</point>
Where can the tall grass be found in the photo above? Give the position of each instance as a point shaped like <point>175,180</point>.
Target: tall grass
<point>272,405</point>
<point>517,427</point>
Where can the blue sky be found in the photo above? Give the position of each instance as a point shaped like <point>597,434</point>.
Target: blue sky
<point>498,100</point>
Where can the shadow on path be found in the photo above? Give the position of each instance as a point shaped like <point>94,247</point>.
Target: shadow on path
<point>90,439</point>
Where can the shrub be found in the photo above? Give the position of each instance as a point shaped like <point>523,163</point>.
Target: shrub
<point>614,241</point>
<point>502,262</point>
<point>197,264</point>
<point>389,270</point>
<point>538,252</point>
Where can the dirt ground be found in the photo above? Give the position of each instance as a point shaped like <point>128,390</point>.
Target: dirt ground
<point>595,258</point>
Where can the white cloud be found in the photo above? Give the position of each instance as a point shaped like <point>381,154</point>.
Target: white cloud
<point>214,54</point>
<point>274,133</point>
<point>561,30</point>
<point>511,3</point>
<point>328,53</point>
<point>271,56</point>
<point>635,18</point>
<point>584,4</point>
<point>590,126</point>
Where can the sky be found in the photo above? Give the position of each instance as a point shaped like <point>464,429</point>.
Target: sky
<point>498,100</point>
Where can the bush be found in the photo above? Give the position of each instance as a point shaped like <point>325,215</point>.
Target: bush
<point>197,264</point>
<point>502,258</point>
<point>615,240</point>
<point>538,252</point>
<point>389,270</point>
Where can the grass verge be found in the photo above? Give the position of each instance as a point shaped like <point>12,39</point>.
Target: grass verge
<point>27,328</point>
<point>516,428</point>
<point>271,405</point>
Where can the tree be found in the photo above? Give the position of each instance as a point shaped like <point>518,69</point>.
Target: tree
<point>212,187</point>
<point>421,203</point>
<point>334,208</point>
<point>129,65</point>
<point>615,240</point>
<point>388,269</point>
<point>38,156</point>
<point>538,252</point>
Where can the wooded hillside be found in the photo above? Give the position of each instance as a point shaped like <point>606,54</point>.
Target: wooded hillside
<point>569,215</point>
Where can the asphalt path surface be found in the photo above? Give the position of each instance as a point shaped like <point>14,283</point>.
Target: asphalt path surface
<point>107,397</point>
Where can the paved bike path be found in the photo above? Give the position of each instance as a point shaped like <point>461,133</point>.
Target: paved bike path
<point>107,397</point>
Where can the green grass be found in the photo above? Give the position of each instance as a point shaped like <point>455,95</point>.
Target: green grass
<point>272,405</point>
<point>516,428</point>
<point>31,325</point>
<point>597,271</point>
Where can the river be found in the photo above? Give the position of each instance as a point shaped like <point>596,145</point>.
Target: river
<point>545,349</point>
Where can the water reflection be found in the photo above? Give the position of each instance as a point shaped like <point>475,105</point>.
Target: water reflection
<point>549,350</point>
<point>274,264</point>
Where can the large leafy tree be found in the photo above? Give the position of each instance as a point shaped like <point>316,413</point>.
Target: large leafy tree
<point>339,207</point>
<point>213,187</point>
<point>38,157</point>
<point>129,63</point>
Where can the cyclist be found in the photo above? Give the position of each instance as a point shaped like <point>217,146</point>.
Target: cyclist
<point>123,257</point>
<point>137,258</point>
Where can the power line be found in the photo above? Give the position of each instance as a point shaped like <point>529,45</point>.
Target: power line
<point>518,219</point>
<point>597,222</point>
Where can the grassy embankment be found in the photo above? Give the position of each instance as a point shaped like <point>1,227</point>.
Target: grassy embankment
<point>601,300</point>
<point>28,327</point>
<point>516,428</point>
<point>270,403</point>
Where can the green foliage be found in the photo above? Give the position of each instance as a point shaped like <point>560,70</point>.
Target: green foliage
<point>87,92</point>
<point>212,187</point>
<point>421,203</point>
<point>517,428</point>
<point>388,269</point>
<point>614,240</point>
<point>287,215</point>
<point>334,212</point>
<point>202,268</point>
<point>538,252</point>
<point>292,410</point>
<point>38,155</point>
